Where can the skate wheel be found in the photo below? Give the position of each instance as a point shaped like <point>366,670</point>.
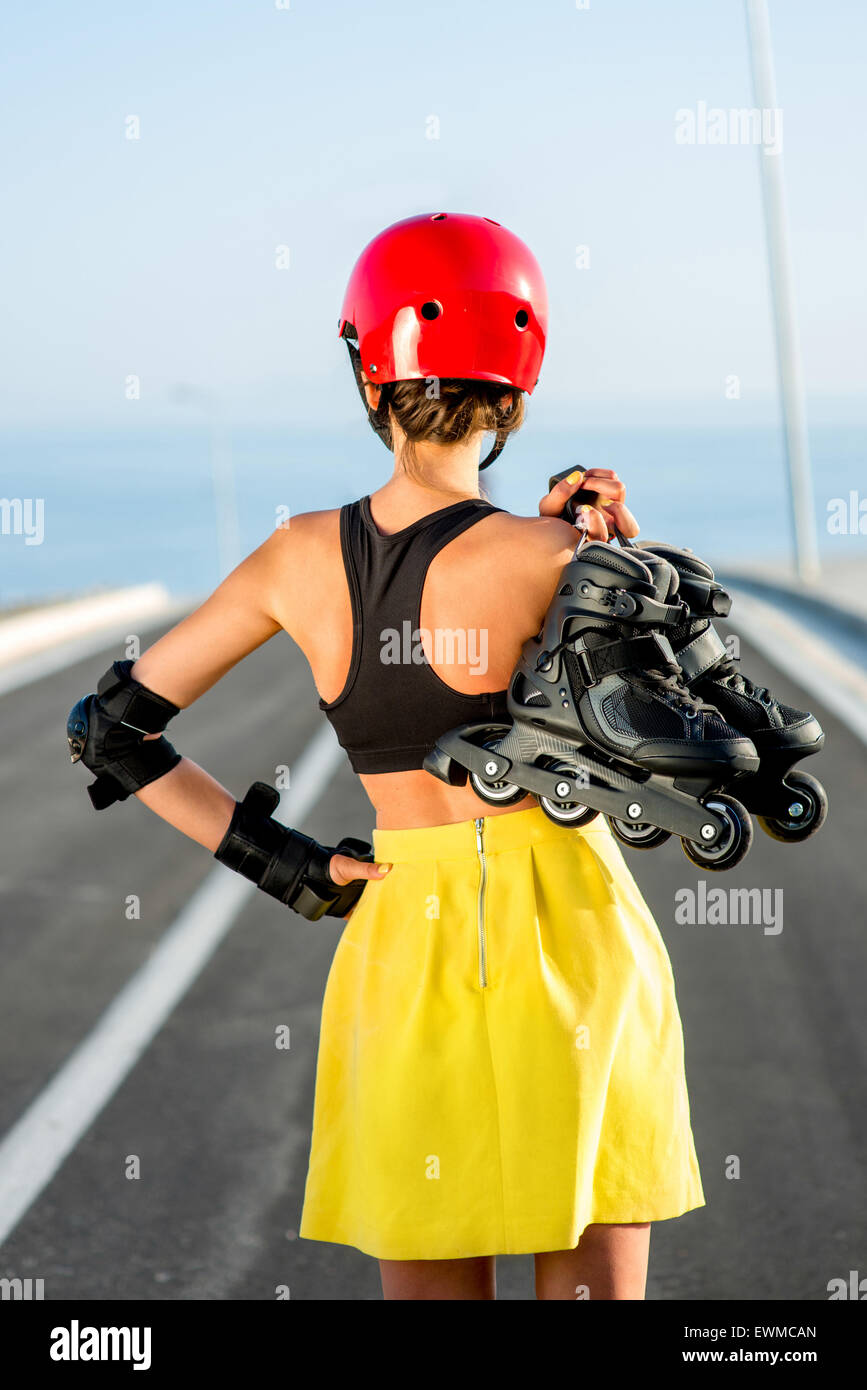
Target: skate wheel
<point>811,797</point>
<point>638,834</point>
<point>734,842</point>
<point>573,813</point>
<point>497,793</point>
<point>567,812</point>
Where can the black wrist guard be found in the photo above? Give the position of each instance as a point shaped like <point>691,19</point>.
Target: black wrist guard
<point>106,732</point>
<point>284,863</point>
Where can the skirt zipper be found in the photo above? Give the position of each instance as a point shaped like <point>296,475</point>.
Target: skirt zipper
<point>483,875</point>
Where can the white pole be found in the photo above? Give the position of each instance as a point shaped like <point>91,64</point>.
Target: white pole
<point>783,293</point>
<point>222,476</point>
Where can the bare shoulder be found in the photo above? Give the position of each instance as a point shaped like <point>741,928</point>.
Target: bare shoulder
<point>306,526</point>
<point>297,560</point>
<point>298,540</point>
<point>535,541</point>
<point>505,559</point>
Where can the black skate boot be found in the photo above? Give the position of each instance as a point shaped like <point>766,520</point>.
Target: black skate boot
<point>789,805</point>
<point>604,722</point>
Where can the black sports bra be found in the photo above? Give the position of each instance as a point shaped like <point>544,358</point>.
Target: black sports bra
<point>394,706</point>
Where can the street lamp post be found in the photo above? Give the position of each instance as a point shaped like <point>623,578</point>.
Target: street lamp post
<point>783,294</point>
<point>222,476</point>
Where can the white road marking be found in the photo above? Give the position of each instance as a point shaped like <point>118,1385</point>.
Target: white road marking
<point>811,663</point>
<point>36,1146</point>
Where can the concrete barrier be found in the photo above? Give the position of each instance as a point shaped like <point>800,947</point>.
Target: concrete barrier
<point>38,629</point>
<point>40,641</point>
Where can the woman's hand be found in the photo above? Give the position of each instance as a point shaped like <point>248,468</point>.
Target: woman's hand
<point>344,869</point>
<point>599,522</point>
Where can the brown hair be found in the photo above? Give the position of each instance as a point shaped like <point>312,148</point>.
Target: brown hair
<point>448,411</point>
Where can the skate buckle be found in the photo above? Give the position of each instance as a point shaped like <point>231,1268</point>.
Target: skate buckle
<point>624,604</point>
<point>721,603</point>
<point>588,675</point>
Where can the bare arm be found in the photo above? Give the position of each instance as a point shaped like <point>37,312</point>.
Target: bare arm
<point>187,661</point>
<point>238,617</point>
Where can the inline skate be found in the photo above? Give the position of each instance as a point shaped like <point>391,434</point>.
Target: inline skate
<point>789,805</point>
<point>602,722</point>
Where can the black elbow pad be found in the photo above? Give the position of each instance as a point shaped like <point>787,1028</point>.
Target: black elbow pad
<point>284,863</point>
<point>106,732</point>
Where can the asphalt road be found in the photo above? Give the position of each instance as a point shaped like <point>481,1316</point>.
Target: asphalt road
<point>776,1039</point>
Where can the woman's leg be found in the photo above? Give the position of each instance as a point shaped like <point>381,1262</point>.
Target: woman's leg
<point>609,1261</point>
<point>441,1279</point>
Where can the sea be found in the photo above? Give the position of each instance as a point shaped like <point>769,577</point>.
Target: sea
<point>111,508</point>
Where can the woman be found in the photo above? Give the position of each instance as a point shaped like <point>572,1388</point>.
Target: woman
<point>500,1064</point>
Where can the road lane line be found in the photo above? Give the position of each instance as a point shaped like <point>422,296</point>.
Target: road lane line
<point>38,1143</point>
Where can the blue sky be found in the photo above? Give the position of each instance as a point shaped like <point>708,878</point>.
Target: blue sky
<point>306,127</point>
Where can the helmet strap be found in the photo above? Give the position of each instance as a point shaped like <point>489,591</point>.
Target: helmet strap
<point>496,449</point>
<point>378,419</point>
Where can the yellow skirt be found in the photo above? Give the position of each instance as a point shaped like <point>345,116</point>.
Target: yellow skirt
<point>501,1055</point>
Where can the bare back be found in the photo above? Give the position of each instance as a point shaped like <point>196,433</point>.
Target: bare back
<point>495,581</point>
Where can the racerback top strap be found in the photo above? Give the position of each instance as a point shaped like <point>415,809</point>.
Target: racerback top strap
<point>393,705</point>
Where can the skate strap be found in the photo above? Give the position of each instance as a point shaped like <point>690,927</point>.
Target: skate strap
<point>706,598</point>
<point>129,771</point>
<point>702,654</point>
<point>629,604</point>
<point>129,702</point>
<point>647,652</point>
<point>639,608</point>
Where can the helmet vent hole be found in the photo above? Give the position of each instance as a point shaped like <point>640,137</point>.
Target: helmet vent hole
<point>522,318</point>
<point>439,217</point>
<point>431,310</point>
<point>493,222</point>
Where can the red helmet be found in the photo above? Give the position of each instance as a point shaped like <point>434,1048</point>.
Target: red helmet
<point>445,295</point>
